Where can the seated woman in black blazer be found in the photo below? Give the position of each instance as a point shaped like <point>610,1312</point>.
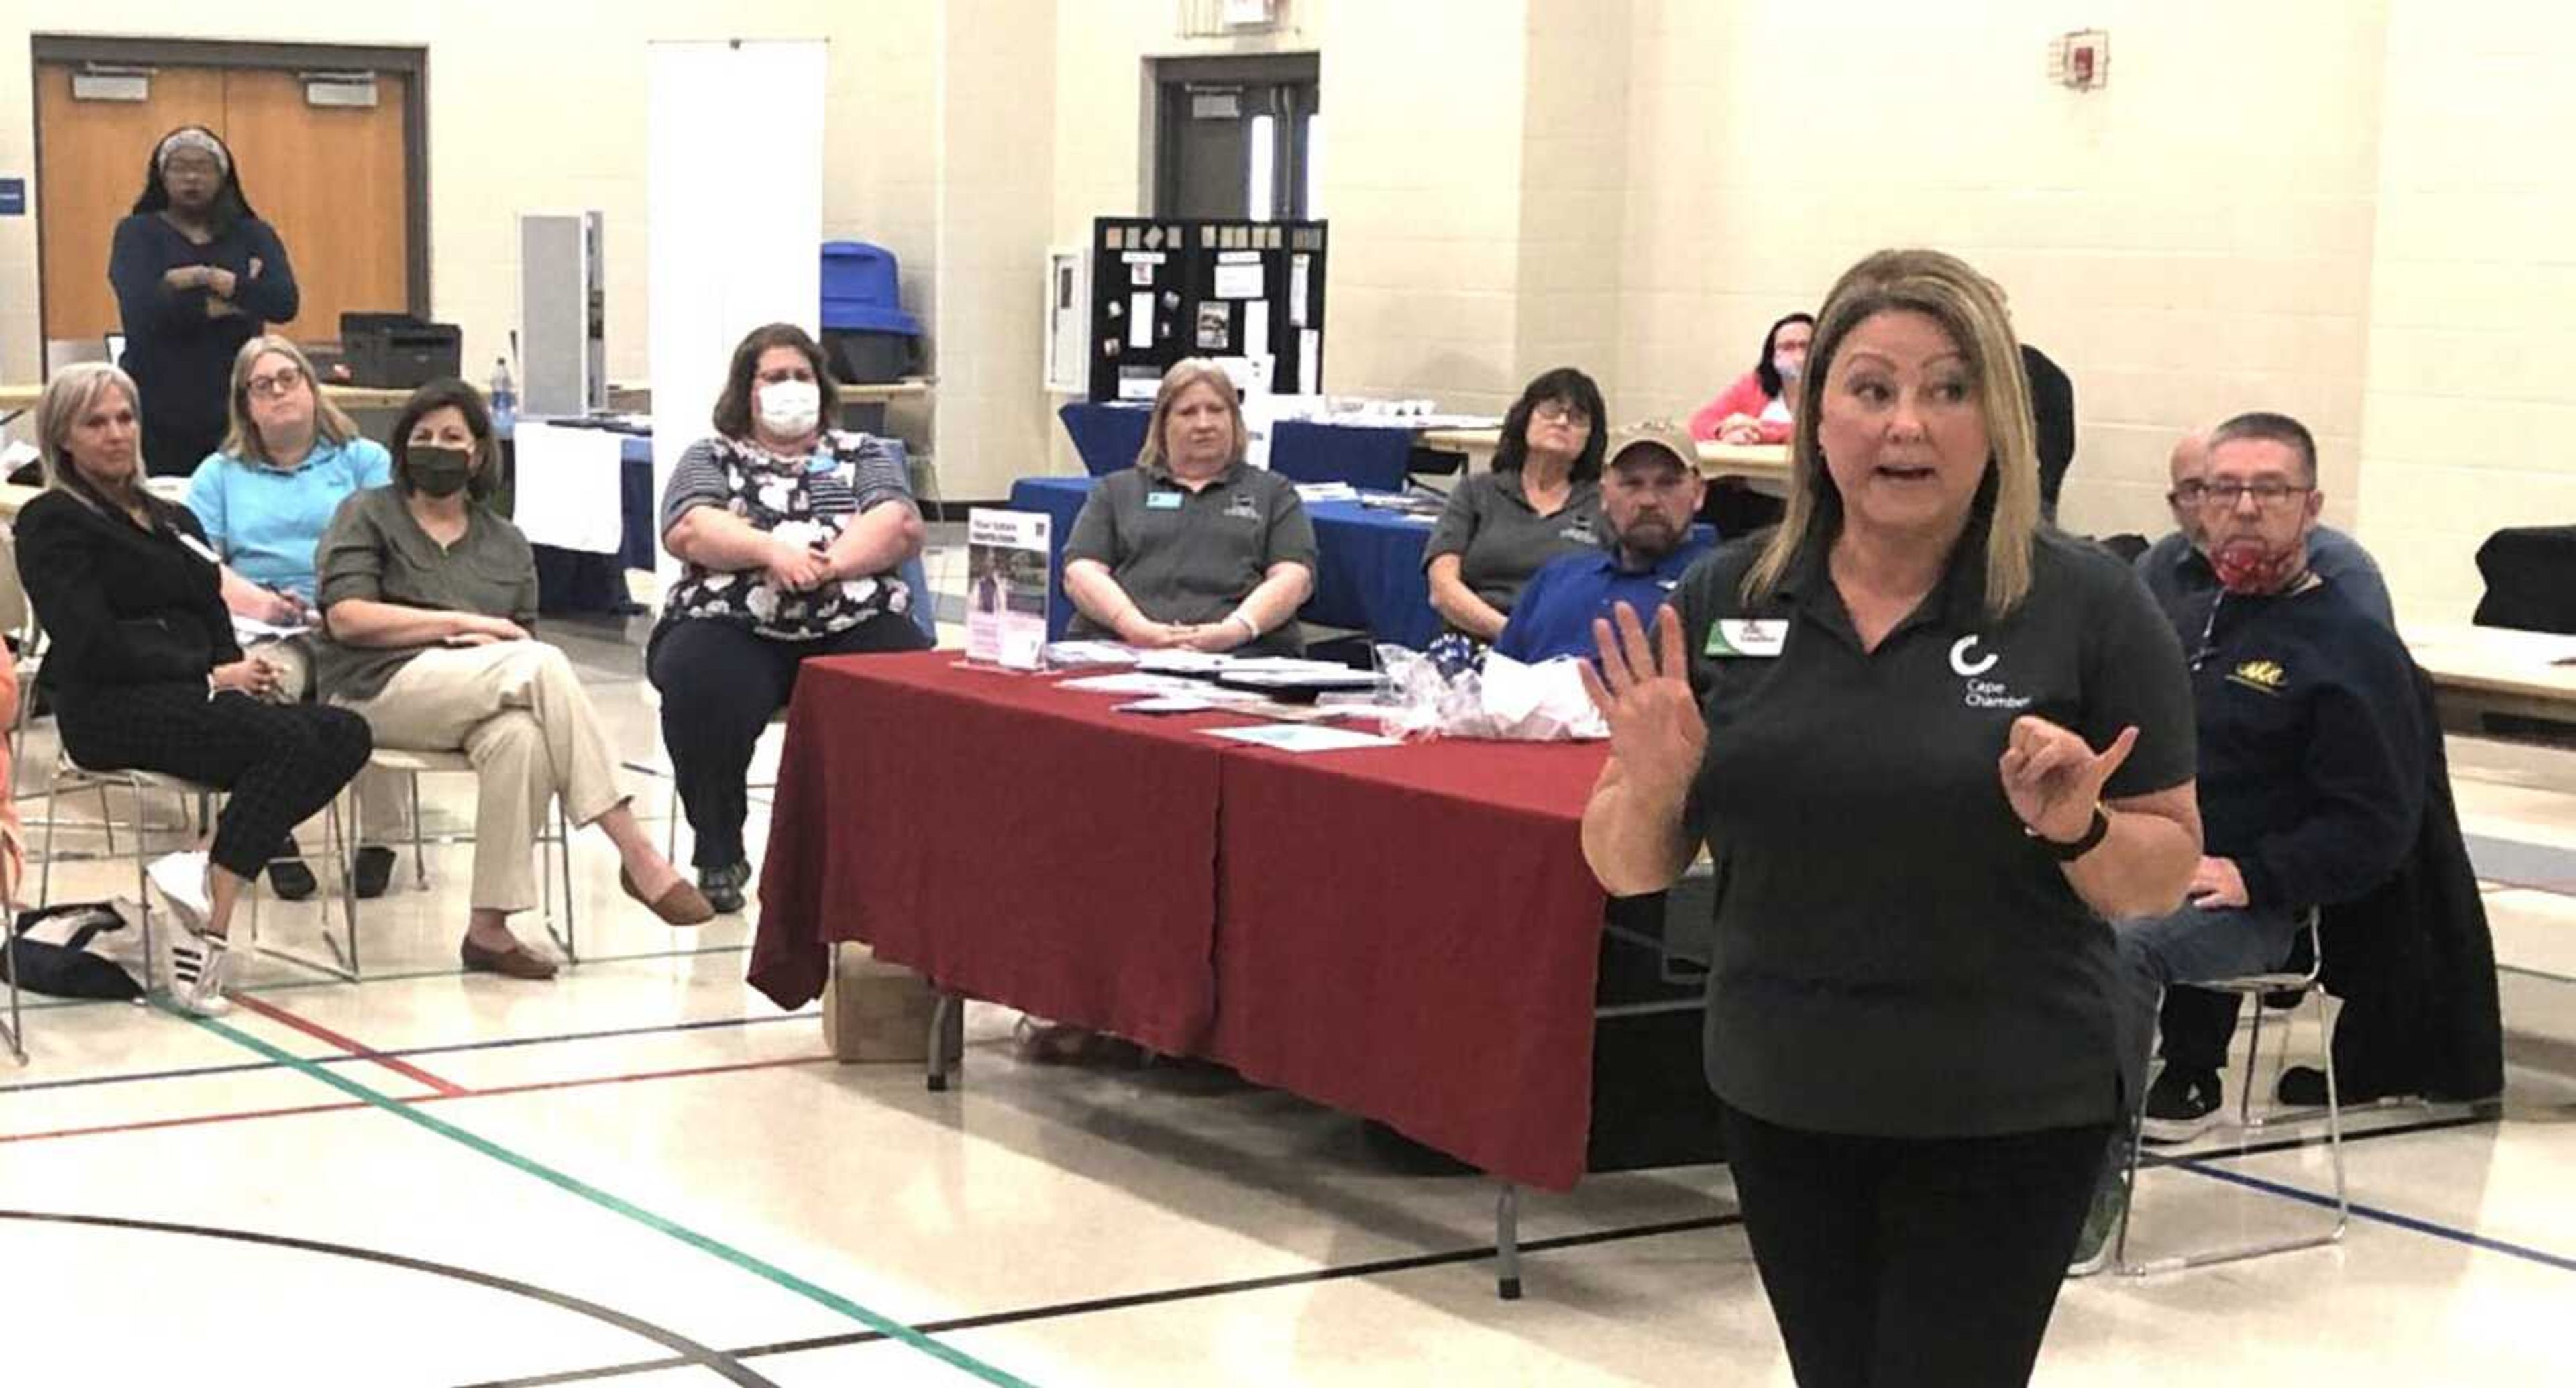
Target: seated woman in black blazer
<point>144,674</point>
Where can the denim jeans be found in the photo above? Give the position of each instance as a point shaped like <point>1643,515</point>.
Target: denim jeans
<point>2195,945</point>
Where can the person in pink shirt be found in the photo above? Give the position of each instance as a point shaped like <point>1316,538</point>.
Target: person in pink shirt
<point>1756,408</point>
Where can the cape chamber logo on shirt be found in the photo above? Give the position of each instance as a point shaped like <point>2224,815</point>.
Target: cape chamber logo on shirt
<point>1243,507</point>
<point>1579,533</point>
<point>1971,666</point>
<point>1746,636</point>
<point>2261,676</point>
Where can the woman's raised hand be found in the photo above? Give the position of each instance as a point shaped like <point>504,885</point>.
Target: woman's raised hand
<point>1643,691</point>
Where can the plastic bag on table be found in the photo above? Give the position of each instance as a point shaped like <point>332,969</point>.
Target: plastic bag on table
<point>1505,701</point>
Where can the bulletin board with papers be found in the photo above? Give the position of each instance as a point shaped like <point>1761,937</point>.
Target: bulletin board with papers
<point>1250,294</point>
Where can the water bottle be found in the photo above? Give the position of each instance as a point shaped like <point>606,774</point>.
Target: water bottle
<point>505,396</point>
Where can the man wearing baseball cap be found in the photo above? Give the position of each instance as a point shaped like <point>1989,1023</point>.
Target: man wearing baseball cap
<point>1650,489</point>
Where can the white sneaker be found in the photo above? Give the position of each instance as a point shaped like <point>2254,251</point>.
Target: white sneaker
<point>200,970</point>
<point>200,964</point>
<point>182,879</point>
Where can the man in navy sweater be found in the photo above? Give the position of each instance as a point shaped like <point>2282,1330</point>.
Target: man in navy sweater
<point>2313,759</point>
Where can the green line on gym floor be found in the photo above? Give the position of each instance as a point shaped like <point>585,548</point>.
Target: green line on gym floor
<point>778,1276</point>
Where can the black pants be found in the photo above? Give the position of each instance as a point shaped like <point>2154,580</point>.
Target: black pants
<point>2198,1026</point>
<point>1912,1261</point>
<point>279,763</point>
<point>720,684</point>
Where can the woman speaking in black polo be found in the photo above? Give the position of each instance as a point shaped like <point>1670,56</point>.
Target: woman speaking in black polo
<point>1931,747</point>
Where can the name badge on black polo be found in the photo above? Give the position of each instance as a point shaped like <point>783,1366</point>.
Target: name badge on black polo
<point>1752,638</point>
<point>1162,501</point>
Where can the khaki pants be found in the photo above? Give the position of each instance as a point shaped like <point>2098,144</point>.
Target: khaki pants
<point>386,798</point>
<point>516,709</point>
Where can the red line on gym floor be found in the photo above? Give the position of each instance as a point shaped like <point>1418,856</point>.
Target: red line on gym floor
<point>328,1037</point>
<point>498,1091</point>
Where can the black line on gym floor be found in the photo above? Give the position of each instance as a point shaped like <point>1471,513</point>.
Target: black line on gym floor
<point>686,1352</point>
<point>1133,1300</point>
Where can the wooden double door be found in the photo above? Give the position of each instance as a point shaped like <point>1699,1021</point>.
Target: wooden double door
<point>334,180</point>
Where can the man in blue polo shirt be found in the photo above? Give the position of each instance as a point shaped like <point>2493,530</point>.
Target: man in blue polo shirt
<point>1650,489</point>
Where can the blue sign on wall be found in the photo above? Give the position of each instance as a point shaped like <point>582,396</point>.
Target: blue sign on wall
<point>13,197</point>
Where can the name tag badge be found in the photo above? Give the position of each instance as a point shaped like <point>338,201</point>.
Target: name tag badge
<point>1162,501</point>
<point>1747,637</point>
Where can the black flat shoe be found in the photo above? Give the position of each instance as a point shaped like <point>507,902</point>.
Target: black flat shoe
<point>375,871</point>
<point>722,887</point>
<point>290,878</point>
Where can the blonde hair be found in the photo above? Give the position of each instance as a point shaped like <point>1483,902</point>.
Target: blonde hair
<point>74,391</point>
<point>242,440</point>
<point>1970,309</point>
<point>1185,373</point>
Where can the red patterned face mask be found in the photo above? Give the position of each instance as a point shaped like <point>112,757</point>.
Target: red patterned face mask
<point>2250,568</point>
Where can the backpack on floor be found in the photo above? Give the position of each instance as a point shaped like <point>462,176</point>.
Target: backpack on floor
<point>69,951</point>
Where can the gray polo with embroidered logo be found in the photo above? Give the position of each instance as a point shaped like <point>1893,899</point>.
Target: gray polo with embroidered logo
<point>1500,540</point>
<point>1185,556</point>
<point>1894,956</point>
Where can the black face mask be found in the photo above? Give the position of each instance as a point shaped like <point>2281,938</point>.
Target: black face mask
<point>439,472</point>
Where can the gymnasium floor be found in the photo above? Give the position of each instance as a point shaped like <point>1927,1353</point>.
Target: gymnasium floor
<point>644,1174</point>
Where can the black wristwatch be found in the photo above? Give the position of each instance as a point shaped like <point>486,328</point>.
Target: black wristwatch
<point>2094,833</point>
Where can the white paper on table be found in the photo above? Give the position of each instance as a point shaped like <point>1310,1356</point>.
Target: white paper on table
<point>570,487</point>
<point>1132,682</point>
<point>1140,320</point>
<point>1184,662</point>
<point>1545,702</point>
<point>1166,703</point>
<point>1310,361</point>
<point>1300,269</point>
<point>1327,491</point>
<point>1062,655</point>
<point>1303,737</point>
<point>1256,327</point>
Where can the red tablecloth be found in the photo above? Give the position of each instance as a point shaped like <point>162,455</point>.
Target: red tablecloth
<point>1004,838</point>
<point>1410,933</point>
<point>1407,933</point>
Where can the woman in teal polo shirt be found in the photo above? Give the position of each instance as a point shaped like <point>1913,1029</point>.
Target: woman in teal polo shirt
<point>1883,720</point>
<point>288,460</point>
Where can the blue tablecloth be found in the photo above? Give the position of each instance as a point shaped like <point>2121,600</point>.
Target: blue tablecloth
<point>1368,563</point>
<point>1370,457</point>
<point>1107,436</point>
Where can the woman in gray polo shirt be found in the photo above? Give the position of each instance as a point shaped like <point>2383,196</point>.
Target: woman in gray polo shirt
<point>1193,546</point>
<point>1542,498</point>
<point>427,596</point>
<point>1883,720</point>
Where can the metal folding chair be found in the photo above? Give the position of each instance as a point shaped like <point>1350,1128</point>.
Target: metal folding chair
<point>2254,986</point>
<point>70,775</point>
<point>555,845</point>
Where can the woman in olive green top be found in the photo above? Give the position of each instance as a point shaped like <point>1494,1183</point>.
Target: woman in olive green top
<point>427,596</point>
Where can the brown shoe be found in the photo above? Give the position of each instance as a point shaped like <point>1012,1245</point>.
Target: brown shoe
<point>679,904</point>
<point>518,961</point>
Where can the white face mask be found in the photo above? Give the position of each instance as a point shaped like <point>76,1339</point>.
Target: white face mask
<point>789,408</point>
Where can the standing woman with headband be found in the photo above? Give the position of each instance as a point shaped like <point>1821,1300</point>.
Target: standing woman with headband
<point>196,274</point>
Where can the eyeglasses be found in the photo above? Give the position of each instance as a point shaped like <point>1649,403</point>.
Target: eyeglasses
<point>2223,496</point>
<point>276,383</point>
<point>1558,412</point>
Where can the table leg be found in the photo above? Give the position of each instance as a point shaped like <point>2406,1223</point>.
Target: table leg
<point>947,1040</point>
<point>1507,1243</point>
